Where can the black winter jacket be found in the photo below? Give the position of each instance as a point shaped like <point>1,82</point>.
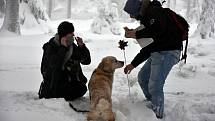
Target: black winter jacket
<point>163,31</point>
<point>57,75</point>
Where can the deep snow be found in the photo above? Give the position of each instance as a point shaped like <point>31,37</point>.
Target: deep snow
<point>189,88</point>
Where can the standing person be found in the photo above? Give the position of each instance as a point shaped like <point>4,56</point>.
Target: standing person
<point>160,56</point>
<point>60,67</point>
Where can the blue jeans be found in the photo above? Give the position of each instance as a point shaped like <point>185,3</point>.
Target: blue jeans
<point>153,74</point>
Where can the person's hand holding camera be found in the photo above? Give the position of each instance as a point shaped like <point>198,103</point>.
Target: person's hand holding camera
<point>79,41</point>
<point>130,33</point>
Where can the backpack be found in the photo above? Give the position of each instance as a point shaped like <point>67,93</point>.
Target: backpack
<point>183,28</point>
<point>180,23</point>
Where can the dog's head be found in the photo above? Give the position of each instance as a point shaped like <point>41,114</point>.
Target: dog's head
<point>110,63</point>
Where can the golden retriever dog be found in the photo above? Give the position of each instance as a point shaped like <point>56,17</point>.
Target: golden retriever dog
<point>100,90</point>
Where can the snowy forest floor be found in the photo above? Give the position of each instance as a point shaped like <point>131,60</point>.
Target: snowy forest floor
<point>189,89</point>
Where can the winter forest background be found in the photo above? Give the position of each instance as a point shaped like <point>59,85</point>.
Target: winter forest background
<point>20,14</point>
<point>25,25</point>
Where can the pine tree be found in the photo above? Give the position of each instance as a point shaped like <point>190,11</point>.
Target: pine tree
<point>107,17</point>
<point>38,10</point>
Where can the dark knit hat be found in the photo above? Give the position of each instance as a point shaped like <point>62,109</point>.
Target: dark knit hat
<point>65,28</point>
<point>132,7</point>
<point>156,3</point>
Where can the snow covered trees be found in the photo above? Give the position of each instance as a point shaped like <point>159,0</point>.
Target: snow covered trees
<point>33,16</point>
<point>38,10</point>
<point>107,18</point>
<point>19,13</point>
<point>11,19</point>
<point>107,13</point>
<point>193,10</point>
<point>206,24</point>
<point>201,12</point>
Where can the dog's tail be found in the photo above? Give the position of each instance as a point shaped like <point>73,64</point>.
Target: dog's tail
<point>78,110</point>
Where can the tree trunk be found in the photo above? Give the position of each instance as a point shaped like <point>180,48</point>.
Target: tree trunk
<point>188,10</point>
<point>50,8</point>
<point>69,2</point>
<point>11,19</point>
<point>2,8</point>
<point>206,23</point>
<point>194,3</point>
<point>174,4</point>
<point>168,4</point>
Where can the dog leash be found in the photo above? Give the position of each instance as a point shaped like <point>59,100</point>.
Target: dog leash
<point>77,110</point>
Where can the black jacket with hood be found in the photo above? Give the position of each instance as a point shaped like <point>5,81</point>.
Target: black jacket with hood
<point>59,77</point>
<point>159,27</point>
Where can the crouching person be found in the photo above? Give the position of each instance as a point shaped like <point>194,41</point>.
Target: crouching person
<point>60,67</point>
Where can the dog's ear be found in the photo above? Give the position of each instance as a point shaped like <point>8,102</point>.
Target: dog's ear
<point>105,66</point>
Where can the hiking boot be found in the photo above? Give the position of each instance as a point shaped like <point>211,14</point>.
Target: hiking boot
<point>159,117</point>
<point>158,110</point>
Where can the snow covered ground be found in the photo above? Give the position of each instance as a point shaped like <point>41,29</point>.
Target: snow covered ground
<point>189,89</point>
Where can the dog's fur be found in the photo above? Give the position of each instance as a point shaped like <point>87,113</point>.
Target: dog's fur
<point>100,90</point>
